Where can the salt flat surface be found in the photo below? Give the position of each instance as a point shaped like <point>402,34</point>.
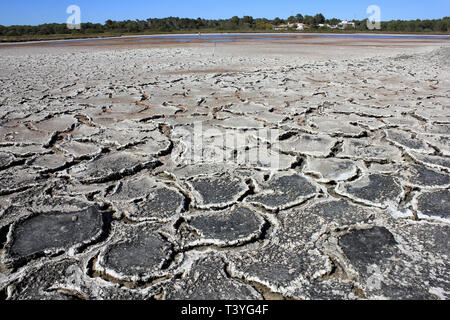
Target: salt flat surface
<point>300,168</point>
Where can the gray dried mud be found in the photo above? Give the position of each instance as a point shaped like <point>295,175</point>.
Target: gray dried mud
<point>105,195</point>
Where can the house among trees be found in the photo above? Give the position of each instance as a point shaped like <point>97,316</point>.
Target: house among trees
<point>297,26</point>
<point>285,26</point>
<point>344,24</point>
<point>301,26</point>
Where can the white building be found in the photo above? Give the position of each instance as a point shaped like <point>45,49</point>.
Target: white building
<point>300,26</point>
<point>345,23</point>
<point>289,25</point>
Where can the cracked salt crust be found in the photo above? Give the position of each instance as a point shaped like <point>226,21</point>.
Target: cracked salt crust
<point>368,127</point>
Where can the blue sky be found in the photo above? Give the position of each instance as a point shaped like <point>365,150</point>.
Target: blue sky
<point>31,12</point>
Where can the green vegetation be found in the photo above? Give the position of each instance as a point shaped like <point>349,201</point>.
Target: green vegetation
<point>184,25</point>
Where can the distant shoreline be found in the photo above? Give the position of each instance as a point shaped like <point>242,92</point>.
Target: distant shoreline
<point>53,38</point>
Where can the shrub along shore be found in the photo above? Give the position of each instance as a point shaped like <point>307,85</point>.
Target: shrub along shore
<point>172,25</point>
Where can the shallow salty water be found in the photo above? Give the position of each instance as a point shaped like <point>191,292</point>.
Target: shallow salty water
<point>245,37</point>
<point>240,37</point>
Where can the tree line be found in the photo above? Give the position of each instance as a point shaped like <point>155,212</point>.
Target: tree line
<point>246,23</point>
